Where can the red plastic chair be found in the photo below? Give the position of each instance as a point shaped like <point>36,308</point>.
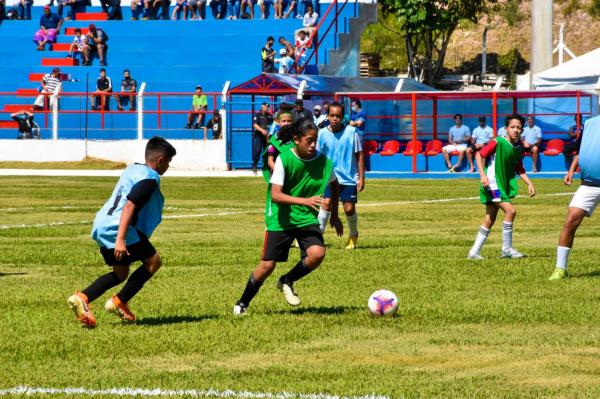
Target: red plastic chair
<point>370,147</point>
<point>413,147</point>
<point>554,147</point>
<point>433,147</point>
<point>390,148</point>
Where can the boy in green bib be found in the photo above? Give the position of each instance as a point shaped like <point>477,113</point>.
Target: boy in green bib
<point>502,158</point>
<point>296,186</point>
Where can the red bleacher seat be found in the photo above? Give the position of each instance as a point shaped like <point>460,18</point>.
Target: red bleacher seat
<point>8,125</point>
<point>413,147</point>
<point>27,92</point>
<point>91,16</point>
<point>390,147</point>
<point>36,77</point>
<point>554,147</point>
<point>370,147</point>
<point>71,31</point>
<point>433,147</point>
<point>61,47</point>
<point>59,62</point>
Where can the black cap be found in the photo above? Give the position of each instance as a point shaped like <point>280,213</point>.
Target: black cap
<point>481,118</point>
<point>299,102</point>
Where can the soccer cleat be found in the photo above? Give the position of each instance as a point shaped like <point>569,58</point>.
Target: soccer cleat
<point>511,253</point>
<point>558,274</point>
<point>78,302</point>
<point>240,309</point>
<point>288,293</point>
<point>351,243</point>
<point>475,257</point>
<point>114,305</point>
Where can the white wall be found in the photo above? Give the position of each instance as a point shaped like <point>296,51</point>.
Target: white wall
<point>191,154</point>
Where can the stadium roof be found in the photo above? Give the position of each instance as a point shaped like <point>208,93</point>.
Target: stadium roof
<point>273,83</point>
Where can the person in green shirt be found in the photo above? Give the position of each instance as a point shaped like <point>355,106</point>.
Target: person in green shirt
<point>200,105</point>
<point>502,157</point>
<point>295,193</point>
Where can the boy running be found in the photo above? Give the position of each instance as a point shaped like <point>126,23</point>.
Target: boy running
<point>342,145</point>
<point>293,198</point>
<point>122,229</point>
<point>499,185</point>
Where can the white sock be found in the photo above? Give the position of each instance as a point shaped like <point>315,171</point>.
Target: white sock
<point>353,224</point>
<point>482,235</point>
<point>507,229</point>
<point>323,219</point>
<point>562,257</point>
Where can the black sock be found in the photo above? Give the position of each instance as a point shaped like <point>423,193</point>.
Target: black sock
<point>134,283</point>
<point>101,285</point>
<point>297,272</point>
<point>252,287</point>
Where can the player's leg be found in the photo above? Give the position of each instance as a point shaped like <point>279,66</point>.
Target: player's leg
<point>461,155</point>
<point>325,210</point>
<point>510,213</point>
<point>491,211</point>
<point>470,159</point>
<point>534,158</point>
<point>349,198</point>
<point>446,158</point>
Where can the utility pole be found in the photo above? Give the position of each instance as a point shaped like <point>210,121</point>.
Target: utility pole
<point>541,37</point>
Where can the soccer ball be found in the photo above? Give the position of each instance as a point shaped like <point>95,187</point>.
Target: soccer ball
<point>383,303</point>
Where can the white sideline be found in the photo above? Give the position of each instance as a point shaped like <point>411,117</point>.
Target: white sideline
<point>202,215</point>
<point>194,393</point>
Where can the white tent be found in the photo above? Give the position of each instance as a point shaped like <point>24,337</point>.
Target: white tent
<point>581,73</point>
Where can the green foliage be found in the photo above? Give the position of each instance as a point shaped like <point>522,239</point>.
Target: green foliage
<point>571,7</point>
<point>510,12</point>
<point>511,64</point>
<point>494,329</point>
<point>384,39</point>
<point>594,8</point>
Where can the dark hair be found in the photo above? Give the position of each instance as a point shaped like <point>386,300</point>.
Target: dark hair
<point>514,116</point>
<point>337,104</point>
<point>157,146</point>
<point>285,108</point>
<point>287,133</point>
<point>357,102</point>
<point>77,30</point>
<point>303,126</point>
<point>270,39</point>
<point>102,70</point>
<point>457,116</point>
<point>127,70</point>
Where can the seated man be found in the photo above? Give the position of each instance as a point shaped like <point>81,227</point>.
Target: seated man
<point>215,125</point>
<point>96,42</point>
<point>199,107</point>
<point>531,138</point>
<point>28,129</point>
<point>50,24</point>
<point>129,86</point>
<point>103,85</point>
<point>458,137</point>
<point>482,134</point>
<point>575,132</point>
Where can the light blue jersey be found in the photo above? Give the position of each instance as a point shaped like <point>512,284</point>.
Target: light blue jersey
<point>106,223</point>
<point>482,135</point>
<point>531,134</point>
<point>341,148</point>
<point>589,161</point>
<point>459,134</point>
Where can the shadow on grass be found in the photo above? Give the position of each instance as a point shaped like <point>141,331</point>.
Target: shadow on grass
<point>595,273</point>
<point>163,320</point>
<point>323,310</point>
<point>12,274</point>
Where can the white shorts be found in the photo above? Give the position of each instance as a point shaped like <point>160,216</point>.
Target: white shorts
<point>455,147</point>
<point>586,198</point>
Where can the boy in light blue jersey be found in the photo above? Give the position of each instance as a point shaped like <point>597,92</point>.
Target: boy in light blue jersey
<point>586,198</point>
<point>342,145</point>
<point>122,229</point>
<point>482,134</point>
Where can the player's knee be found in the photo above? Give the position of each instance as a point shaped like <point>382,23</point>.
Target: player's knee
<point>122,272</point>
<point>154,263</point>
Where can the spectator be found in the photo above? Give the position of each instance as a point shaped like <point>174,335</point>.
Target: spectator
<point>482,134</point>
<point>197,9</point>
<point>302,46</point>
<point>316,113</point>
<point>112,8</point>
<point>502,131</point>
<point>75,6</point>
<point>322,120</point>
<point>219,9</point>
<point>3,10</point>
<point>50,83</point>
<point>288,46</point>
<point>285,62</point>
<point>309,22</point>
<point>77,45</point>
<point>291,9</point>
<point>24,9</point>
<point>50,24</point>
<point>260,124</point>
<point>267,55</point>
<point>215,125</point>
<point>96,42</point>
<point>181,7</point>
<point>200,105</point>
<point>137,8</point>
<point>358,119</point>
<point>265,6</point>
<point>103,85</point>
<point>299,112</point>
<point>574,132</point>
<point>278,6</point>
<point>233,9</point>
<point>151,12</point>
<point>247,4</point>
<point>531,138</point>
<point>458,137</point>
<point>28,129</point>
<point>129,86</point>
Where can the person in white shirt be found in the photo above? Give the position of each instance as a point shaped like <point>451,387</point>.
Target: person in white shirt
<point>285,62</point>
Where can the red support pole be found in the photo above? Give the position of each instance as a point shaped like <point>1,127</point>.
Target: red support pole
<point>414,132</point>
<point>158,110</point>
<point>578,111</point>
<point>435,126</point>
<point>495,113</point>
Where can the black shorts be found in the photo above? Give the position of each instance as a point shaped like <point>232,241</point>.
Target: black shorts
<point>140,251</point>
<point>277,243</point>
<point>528,150</point>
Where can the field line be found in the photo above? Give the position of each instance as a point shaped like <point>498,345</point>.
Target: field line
<point>193,393</point>
<point>203,215</point>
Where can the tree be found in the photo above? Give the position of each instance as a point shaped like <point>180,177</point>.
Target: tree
<point>426,27</point>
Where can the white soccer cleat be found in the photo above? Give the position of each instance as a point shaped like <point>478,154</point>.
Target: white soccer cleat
<point>475,257</point>
<point>240,310</point>
<point>511,253</point>
<point>288,293</point>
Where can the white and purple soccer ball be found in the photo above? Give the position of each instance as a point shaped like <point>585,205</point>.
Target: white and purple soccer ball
<point>383,303</point>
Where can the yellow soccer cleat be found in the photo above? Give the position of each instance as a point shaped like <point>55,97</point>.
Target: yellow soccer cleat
<point>351,243</point>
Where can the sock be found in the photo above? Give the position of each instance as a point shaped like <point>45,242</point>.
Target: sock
<point>562,257</point>
<point>507,229</point>
<point>252,287</point>
<point>482,235</point>
<point>323,219</point>
<point>134,283</point>
<point>101,285</point>
<point>297,272</point>
<point>352,224</point>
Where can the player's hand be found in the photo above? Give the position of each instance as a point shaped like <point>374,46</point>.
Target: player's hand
<point>360,185</point>
<point>313,202</point>
<point>485,182</point>
<point>531,190</point>
<point>120,249</point>
<point>337,224</point>
<point>568,179</point>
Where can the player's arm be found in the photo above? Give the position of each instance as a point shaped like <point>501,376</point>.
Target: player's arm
<point>568,179</point>
<point>279,197</point>
<point>126,216</point>
<point>360,185</point>
<point>520,170</point>
<point>334,219</point>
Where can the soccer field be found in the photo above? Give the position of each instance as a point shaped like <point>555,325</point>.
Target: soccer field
<point>493,328</point>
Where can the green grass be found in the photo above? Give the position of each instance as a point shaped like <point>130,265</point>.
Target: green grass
<point>86,163</point>
<point>494,328</point>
